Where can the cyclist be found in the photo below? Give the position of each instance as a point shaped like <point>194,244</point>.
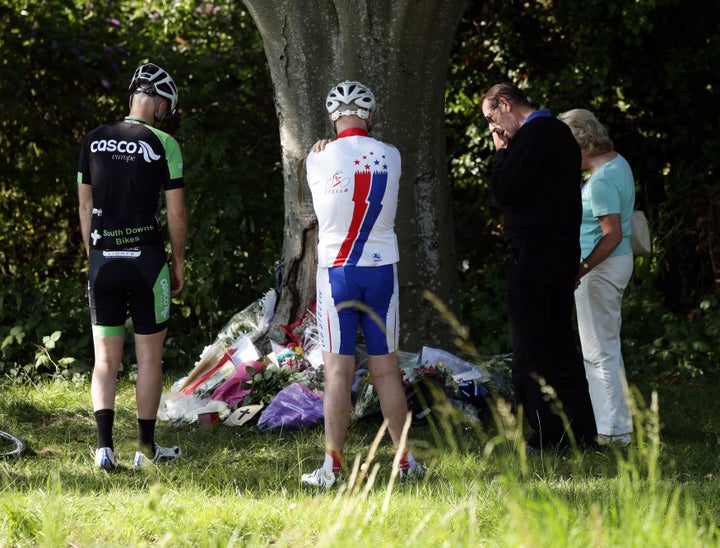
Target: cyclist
<point>123,168</point>
<point>354,182</point>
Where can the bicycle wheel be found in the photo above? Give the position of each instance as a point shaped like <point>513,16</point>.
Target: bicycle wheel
<point>11,446</point>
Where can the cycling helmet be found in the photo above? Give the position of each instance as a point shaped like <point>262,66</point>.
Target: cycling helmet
<point>347,94</point>
<point>164,86</point>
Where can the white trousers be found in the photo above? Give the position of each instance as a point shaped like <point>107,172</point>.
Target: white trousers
<point>598,303</point>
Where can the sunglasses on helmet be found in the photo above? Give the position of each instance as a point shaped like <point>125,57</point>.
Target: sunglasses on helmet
<point>147,91</point>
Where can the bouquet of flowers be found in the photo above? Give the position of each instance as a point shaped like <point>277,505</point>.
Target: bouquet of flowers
<point>288,367</point>
<point>236,332</point>
<point>367,401</point>
<point>437,372</point>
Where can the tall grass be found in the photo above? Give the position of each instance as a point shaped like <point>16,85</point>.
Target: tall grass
<point>233,487</point>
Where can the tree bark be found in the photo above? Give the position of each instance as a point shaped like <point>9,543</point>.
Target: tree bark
<point>400,50</point>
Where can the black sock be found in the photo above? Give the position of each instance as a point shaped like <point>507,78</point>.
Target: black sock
<point>146,436</point>
<point>104,418</point>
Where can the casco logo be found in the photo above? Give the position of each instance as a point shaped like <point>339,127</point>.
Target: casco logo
<point>125,147</point>
<point>165,311</point>
<point>148,153</point>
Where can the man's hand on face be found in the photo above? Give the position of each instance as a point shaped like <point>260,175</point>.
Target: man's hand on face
<point>500,138</point>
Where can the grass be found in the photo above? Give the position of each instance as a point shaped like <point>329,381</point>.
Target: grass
<point>233,487</point>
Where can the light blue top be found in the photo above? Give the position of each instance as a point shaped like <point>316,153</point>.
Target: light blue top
<point>611,189</point>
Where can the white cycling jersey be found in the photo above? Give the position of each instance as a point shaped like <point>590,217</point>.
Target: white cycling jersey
<point>354,184</point>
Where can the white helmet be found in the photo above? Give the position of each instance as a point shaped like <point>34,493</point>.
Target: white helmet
<point>350,94</point>
<point>162,83</point>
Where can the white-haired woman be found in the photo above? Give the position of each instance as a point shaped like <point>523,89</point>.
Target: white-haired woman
<point>608,198</point>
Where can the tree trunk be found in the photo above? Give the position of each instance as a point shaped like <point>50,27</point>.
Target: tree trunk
<point>400,50</point>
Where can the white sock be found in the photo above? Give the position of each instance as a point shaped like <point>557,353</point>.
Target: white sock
<point>408,457</point>
<point>328,464</point>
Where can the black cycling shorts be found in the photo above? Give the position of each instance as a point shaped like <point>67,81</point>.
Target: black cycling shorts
<point>138,279</point>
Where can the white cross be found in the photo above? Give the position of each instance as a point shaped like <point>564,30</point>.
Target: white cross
<point>95,236</point>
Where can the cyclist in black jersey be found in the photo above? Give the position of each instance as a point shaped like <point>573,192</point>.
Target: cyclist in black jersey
<point>123,168</point>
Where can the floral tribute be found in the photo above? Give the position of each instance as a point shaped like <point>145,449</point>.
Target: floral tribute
<point>437,371</point>
<point>291,367</point>
<point>231,377</point>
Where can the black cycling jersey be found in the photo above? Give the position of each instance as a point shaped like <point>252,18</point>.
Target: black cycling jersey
<point>128,164</point>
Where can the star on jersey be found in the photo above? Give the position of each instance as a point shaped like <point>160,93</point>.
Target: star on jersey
<point>375,162</point>
<point>368,192</point>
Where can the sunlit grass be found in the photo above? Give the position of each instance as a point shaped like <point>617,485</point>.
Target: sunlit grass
<point>236,488</point>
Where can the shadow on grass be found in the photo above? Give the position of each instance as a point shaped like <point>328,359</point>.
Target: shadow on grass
<point>60,431</point>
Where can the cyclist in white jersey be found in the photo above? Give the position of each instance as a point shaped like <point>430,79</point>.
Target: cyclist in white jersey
<point>354,181</point>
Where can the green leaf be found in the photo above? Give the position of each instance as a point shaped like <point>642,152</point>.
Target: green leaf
<point>49,341</point>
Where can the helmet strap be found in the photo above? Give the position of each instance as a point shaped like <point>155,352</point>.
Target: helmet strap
<point>159,120</point>
<point>360,113</point>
